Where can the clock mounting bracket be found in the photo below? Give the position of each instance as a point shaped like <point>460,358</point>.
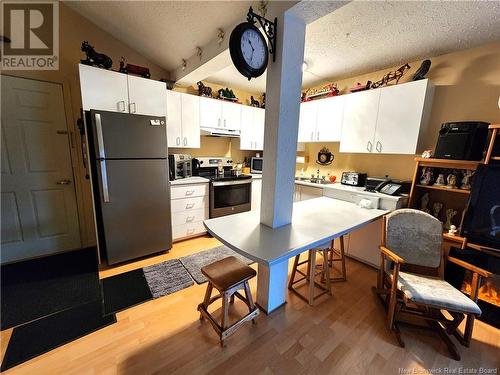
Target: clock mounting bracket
<point>269,28</point>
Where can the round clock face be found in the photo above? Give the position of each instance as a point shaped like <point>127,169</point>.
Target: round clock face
<point>248,50</point>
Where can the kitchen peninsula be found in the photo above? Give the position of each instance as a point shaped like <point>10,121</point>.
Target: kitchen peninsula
<point>314,223</point>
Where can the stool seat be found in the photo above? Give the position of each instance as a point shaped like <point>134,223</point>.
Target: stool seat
<point>228,272</point>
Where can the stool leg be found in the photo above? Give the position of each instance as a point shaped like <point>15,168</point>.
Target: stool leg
<point>342,254</point>
<point>232,299</point>
<point>308,273</point>
<point>294,269</point>
<point>326,272</point>
<point>311,272</point>
<point>206,300</point>
<point>224,318</point>
<point>248,295</point>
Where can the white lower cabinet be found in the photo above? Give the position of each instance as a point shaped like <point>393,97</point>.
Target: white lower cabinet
<point>303,192</point>
<point>256,193</point>
<point>363,243</point>
<point>189,207</point>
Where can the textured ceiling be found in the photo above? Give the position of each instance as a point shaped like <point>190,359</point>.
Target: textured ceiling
<point>361,37</point>
<point>163,31</point>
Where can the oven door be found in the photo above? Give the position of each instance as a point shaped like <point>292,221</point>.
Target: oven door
<point>230,197</point>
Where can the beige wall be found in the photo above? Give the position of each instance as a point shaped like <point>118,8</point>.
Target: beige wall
<point>73,30</point>
<point>467,88</point>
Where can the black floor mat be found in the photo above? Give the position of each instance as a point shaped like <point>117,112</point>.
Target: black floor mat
<point>36,288</point>
<point>43,335</point>
<point>125,290</point>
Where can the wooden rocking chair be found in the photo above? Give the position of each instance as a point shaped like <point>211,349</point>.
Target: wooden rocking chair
<point>412,242</point>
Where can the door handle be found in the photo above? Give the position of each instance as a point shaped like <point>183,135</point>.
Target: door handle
<point>189,206</point>
<point>100,138</point>
<point>190,192</point>
<point>379,149</point>
<point>121,106</point>
<point>218,122</point>
<point>189,219</point>
<point>312,136</point>
<point>369,146</point>
<point>317,136</point>
<point>190,231</point>
<point>104,177</point>
<point>224,122</point>
<point>185,141</point>
<point>178,141</point>
<point>63,182</point>
<point>130,107</point>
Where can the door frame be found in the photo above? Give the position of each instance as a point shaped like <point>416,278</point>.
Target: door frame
<point>83,198</point>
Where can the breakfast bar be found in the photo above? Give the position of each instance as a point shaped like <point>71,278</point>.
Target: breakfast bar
<point>315,223</point>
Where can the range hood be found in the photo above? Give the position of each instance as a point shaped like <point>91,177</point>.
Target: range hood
<point>217,132</point>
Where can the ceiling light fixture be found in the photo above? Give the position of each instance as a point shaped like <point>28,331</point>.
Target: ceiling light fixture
<point>304,66</point>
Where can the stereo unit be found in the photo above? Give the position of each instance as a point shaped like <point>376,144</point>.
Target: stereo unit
<point>464,140</point>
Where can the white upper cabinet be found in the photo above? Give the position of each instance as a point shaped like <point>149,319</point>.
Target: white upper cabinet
<point>231,116</point>
<point>146,97</point>
<point>210,113</point>
<point>103,89</point>
<point>359,121</point>
<point>307,121</point>
<point>183,120</point>
<point>259,117</point>
<point>252,128</point>
<point>387,120</point>
<point>402,111</point>
<point>190,120</point>
<point>329,119</point>
<point>117,92</point>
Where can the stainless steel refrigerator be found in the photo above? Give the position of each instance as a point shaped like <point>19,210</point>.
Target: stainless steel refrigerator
<point>130,180</point>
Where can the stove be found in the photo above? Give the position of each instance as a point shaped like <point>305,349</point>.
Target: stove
<point>229,194</point>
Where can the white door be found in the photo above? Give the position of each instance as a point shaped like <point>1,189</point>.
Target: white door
<point>190,120</point>
<point>329,119</point>
<point>399,118</point>
<point>256,193</point>
<point>231,116</point>
<point>307,121</point>
<point>358,124</point>
<point>210,113</point>
<point>103,89</point>
<point>247,128</point>
<point>259,121</point>
<point>147,97</point>
<point>39,212</point>
<point>174,119</point>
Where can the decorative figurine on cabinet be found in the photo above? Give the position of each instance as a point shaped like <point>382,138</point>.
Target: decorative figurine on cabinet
<point>436,209</point>
<point>439,180</point>
<point>452,181</point>
<point>466,180</point>
<point>450,213</point>
<point>263,105</point>
<point>424,202</point>
<point>426,176</point>
<point>453,230</point>
<point>254,103</point>
<point>422,71</point>
<point>204,90</point>
<point>94,58</point>
<point>391,76</point>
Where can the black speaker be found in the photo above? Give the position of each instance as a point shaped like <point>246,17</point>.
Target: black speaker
<point>462,140</point>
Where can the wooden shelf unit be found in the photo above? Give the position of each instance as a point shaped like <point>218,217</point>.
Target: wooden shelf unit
<point>451,190</point>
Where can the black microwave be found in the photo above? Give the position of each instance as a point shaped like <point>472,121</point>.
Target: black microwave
<point>256,165</point>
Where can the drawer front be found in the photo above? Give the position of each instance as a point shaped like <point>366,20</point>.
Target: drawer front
<point>186,230</point>
<point>191,216</point>
<point>189,204</point>
<point>188,191</point>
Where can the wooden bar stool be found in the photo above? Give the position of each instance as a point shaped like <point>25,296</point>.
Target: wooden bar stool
<point>227,275</point>
<point>311,274</point>
<point>337,255</point>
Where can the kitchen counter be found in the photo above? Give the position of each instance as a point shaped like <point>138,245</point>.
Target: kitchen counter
<point>189,181</point>
<point>315,223</point>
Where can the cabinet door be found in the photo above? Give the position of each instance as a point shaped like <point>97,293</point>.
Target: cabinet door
<point>190,121</point>
<point>309,192</point>
<point>256,193</point>
<point>358,124</point>
<point>247,128</point>
<point>174,119</point>
<point>210,113</point>
<point>400,115</point>
<point>259,121</point>
<point>307,121</point>
<point>363,243</point>
<point>329,119</point>
<point>231,116</point>
<point>103,89</point>
<point>146,97</point>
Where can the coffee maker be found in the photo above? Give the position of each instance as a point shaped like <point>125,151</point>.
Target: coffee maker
<point>180,166</point>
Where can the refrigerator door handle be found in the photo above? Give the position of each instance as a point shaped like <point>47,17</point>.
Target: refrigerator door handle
<point>104,178</point>
<point>100,139</point>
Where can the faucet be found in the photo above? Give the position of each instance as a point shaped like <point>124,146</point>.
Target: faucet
<point>317,174</point>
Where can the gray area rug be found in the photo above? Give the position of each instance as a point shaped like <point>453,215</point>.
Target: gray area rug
<point>167,277</point>
<point>195,262</point>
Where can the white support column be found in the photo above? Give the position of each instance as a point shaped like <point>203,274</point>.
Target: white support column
<point>284,83</point>
<point>271,286</point>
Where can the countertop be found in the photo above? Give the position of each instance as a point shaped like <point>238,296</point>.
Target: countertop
<point>314,222</point>
<point>190,180</point>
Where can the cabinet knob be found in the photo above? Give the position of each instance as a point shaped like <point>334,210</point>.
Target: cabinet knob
<point>63,182</point>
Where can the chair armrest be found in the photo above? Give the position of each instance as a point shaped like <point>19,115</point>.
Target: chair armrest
<point>470,267</point>
<point>388,253</point>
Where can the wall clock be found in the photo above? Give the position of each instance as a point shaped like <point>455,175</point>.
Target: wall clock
<point>248,50</point>
<point>248,46</point>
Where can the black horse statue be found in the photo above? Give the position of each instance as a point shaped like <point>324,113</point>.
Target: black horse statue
<point>204,90</point>
<point>95,58</point>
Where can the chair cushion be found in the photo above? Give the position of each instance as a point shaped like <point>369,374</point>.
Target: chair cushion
<point>228,272</point>
<point>435,292</point>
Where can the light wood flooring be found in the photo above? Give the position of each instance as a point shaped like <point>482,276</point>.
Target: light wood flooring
<point>341,335</point>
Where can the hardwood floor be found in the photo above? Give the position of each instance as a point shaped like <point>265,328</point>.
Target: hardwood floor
<point>341,335</point>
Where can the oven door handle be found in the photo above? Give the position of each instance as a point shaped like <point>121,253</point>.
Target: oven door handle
<point>233,182</point>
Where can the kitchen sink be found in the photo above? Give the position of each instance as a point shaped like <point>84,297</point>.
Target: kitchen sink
<point>318,181</point>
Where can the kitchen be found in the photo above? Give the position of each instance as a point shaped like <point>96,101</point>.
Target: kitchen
<point>218,153</point>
